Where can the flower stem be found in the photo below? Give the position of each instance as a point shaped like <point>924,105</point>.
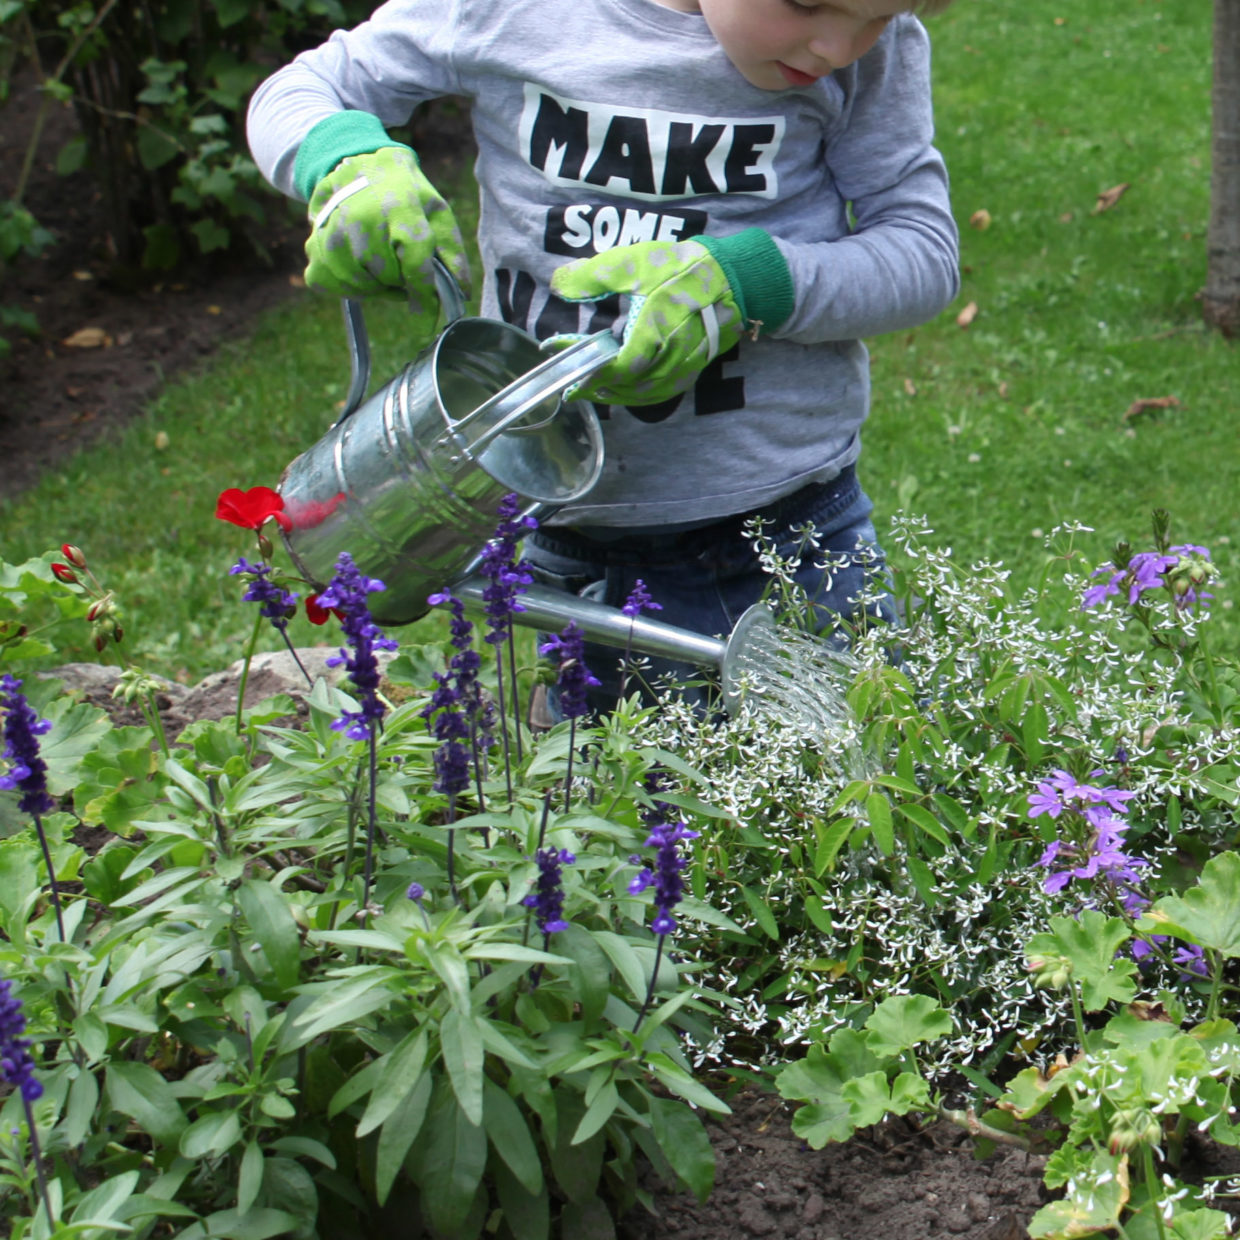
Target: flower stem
<point>51,875</point>
<point>1151,1185</point>
<point>654,977</point>
<point>245,669</point>
<point>368,867</point>
<point>36,1155</point>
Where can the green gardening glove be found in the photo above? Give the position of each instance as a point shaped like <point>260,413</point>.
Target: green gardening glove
<point>689,301</point>
<point>376,221</point>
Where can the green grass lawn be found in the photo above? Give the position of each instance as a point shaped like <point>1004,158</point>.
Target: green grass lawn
<point>996,432</point>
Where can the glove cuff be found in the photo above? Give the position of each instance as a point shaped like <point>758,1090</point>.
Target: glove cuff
<point>334,138</point>
<point>758,275</point>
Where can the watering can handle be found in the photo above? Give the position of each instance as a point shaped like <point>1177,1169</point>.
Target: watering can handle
<point>451,298</point>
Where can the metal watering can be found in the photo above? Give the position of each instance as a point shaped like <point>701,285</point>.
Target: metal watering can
<point>408,480</point>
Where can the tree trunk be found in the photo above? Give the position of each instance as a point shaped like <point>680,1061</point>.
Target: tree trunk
<point>1221,300</point>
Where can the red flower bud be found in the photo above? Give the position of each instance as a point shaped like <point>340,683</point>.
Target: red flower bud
<point>95,611</point>
<point>100,642</point>
<point>251,509</point>
<point>62,572</point>
<point>118,632</point>
<point>73,555</point>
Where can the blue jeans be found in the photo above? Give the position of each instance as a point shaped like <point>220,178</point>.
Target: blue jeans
<point>706,578</point>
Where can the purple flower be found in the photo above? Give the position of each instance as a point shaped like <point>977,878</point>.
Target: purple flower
<point>1182,569</point>
<point>547,899</point>
<point>666,878</point>
<point>1091,844</point>
<point>415,892</point>
<point>507,577</point>
<point>575,679</point>
<point>1191,960</point>
<point>639,600</point>
<point>455,706</point>
<point>27,773</point>
<point>346,595</point>
<point>16,1063</point>
<point>278,605</point>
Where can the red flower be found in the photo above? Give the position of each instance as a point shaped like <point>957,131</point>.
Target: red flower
<point>319,615</point>
<point>251,509</point>
<point>62,572</point>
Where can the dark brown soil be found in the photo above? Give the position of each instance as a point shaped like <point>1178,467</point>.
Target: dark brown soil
<point>894,1182</point>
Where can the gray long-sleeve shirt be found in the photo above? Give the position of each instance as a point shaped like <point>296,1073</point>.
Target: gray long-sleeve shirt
<point>604,122</point>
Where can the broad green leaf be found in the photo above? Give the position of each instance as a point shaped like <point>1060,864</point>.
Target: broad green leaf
<point>80,1111</point>
<point>684,1142</point>
<point>685,1086</point>
<point>527,1215</point>
<point>249,1176</point>
<point>602,1107</point>
<point>868,1098</point>
<point>1093,1208</point>
<point>878,815</point>
<point>1209,913</point>
<point>903,1021</point>
<point>253,1224</point>
<point>215,1133</point>
<point>453,1157</point>
<point>510,1135</point>
<point>762,914</point>
<point>104,1202</point>
<point>464,1057</point>
<point>590,970</point>
<point>274,928</point>
<point>1090,942</point>
<point>401,1071</point>
<point>925,821</point>
<point>829,842</point>
<point>76,730</point>
<point>398,1133</point>
<point>137,1090</point>
<point>622,955</point>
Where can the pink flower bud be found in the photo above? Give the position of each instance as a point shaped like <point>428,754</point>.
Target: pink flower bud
<point>73,555</point>
<point>62,572</point>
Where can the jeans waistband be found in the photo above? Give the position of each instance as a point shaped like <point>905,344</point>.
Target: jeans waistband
<point>817,502</point>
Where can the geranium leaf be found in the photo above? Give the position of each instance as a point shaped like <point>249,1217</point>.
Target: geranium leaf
<point>1209,913</point>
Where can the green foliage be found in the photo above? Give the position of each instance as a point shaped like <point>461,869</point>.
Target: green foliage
<point>241,1038</point>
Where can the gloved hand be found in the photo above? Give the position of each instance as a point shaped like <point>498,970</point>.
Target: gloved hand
<point>376,221</point>
<point>689,301</point>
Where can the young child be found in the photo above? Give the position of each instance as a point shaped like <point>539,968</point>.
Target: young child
<point>751,184</point>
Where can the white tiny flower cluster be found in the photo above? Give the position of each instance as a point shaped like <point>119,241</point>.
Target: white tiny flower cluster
<point>992,682</point>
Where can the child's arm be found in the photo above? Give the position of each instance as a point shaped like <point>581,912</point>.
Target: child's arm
<point>317,131</point>
<point>899,266</point>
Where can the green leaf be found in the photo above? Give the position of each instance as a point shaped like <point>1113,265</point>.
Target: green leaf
<point>249,1176</point>
<point>215,1133</point>
<point>878,815</point>
<point>401,1071</point>
<point>761,913</point>
<point>101,1204</point>
<point>453,1155</point>
<point>1090,943</point>
<point>829,843</point>
<point>527,1215</point>
<point>903,1021</point>
<point>1095,1207</point>
<point>464,1057</point>
<point>76,730</point>
<point>254,1224</point>
<point>510,1135</point>
<point>1209,913</point>
<point>590,970</point>
<point>683,1140</point>
<point>274,928</point>
<point>137,1090</point>
<point>925,821</point>
<point>398,1133</point>
<point>155,148</point>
